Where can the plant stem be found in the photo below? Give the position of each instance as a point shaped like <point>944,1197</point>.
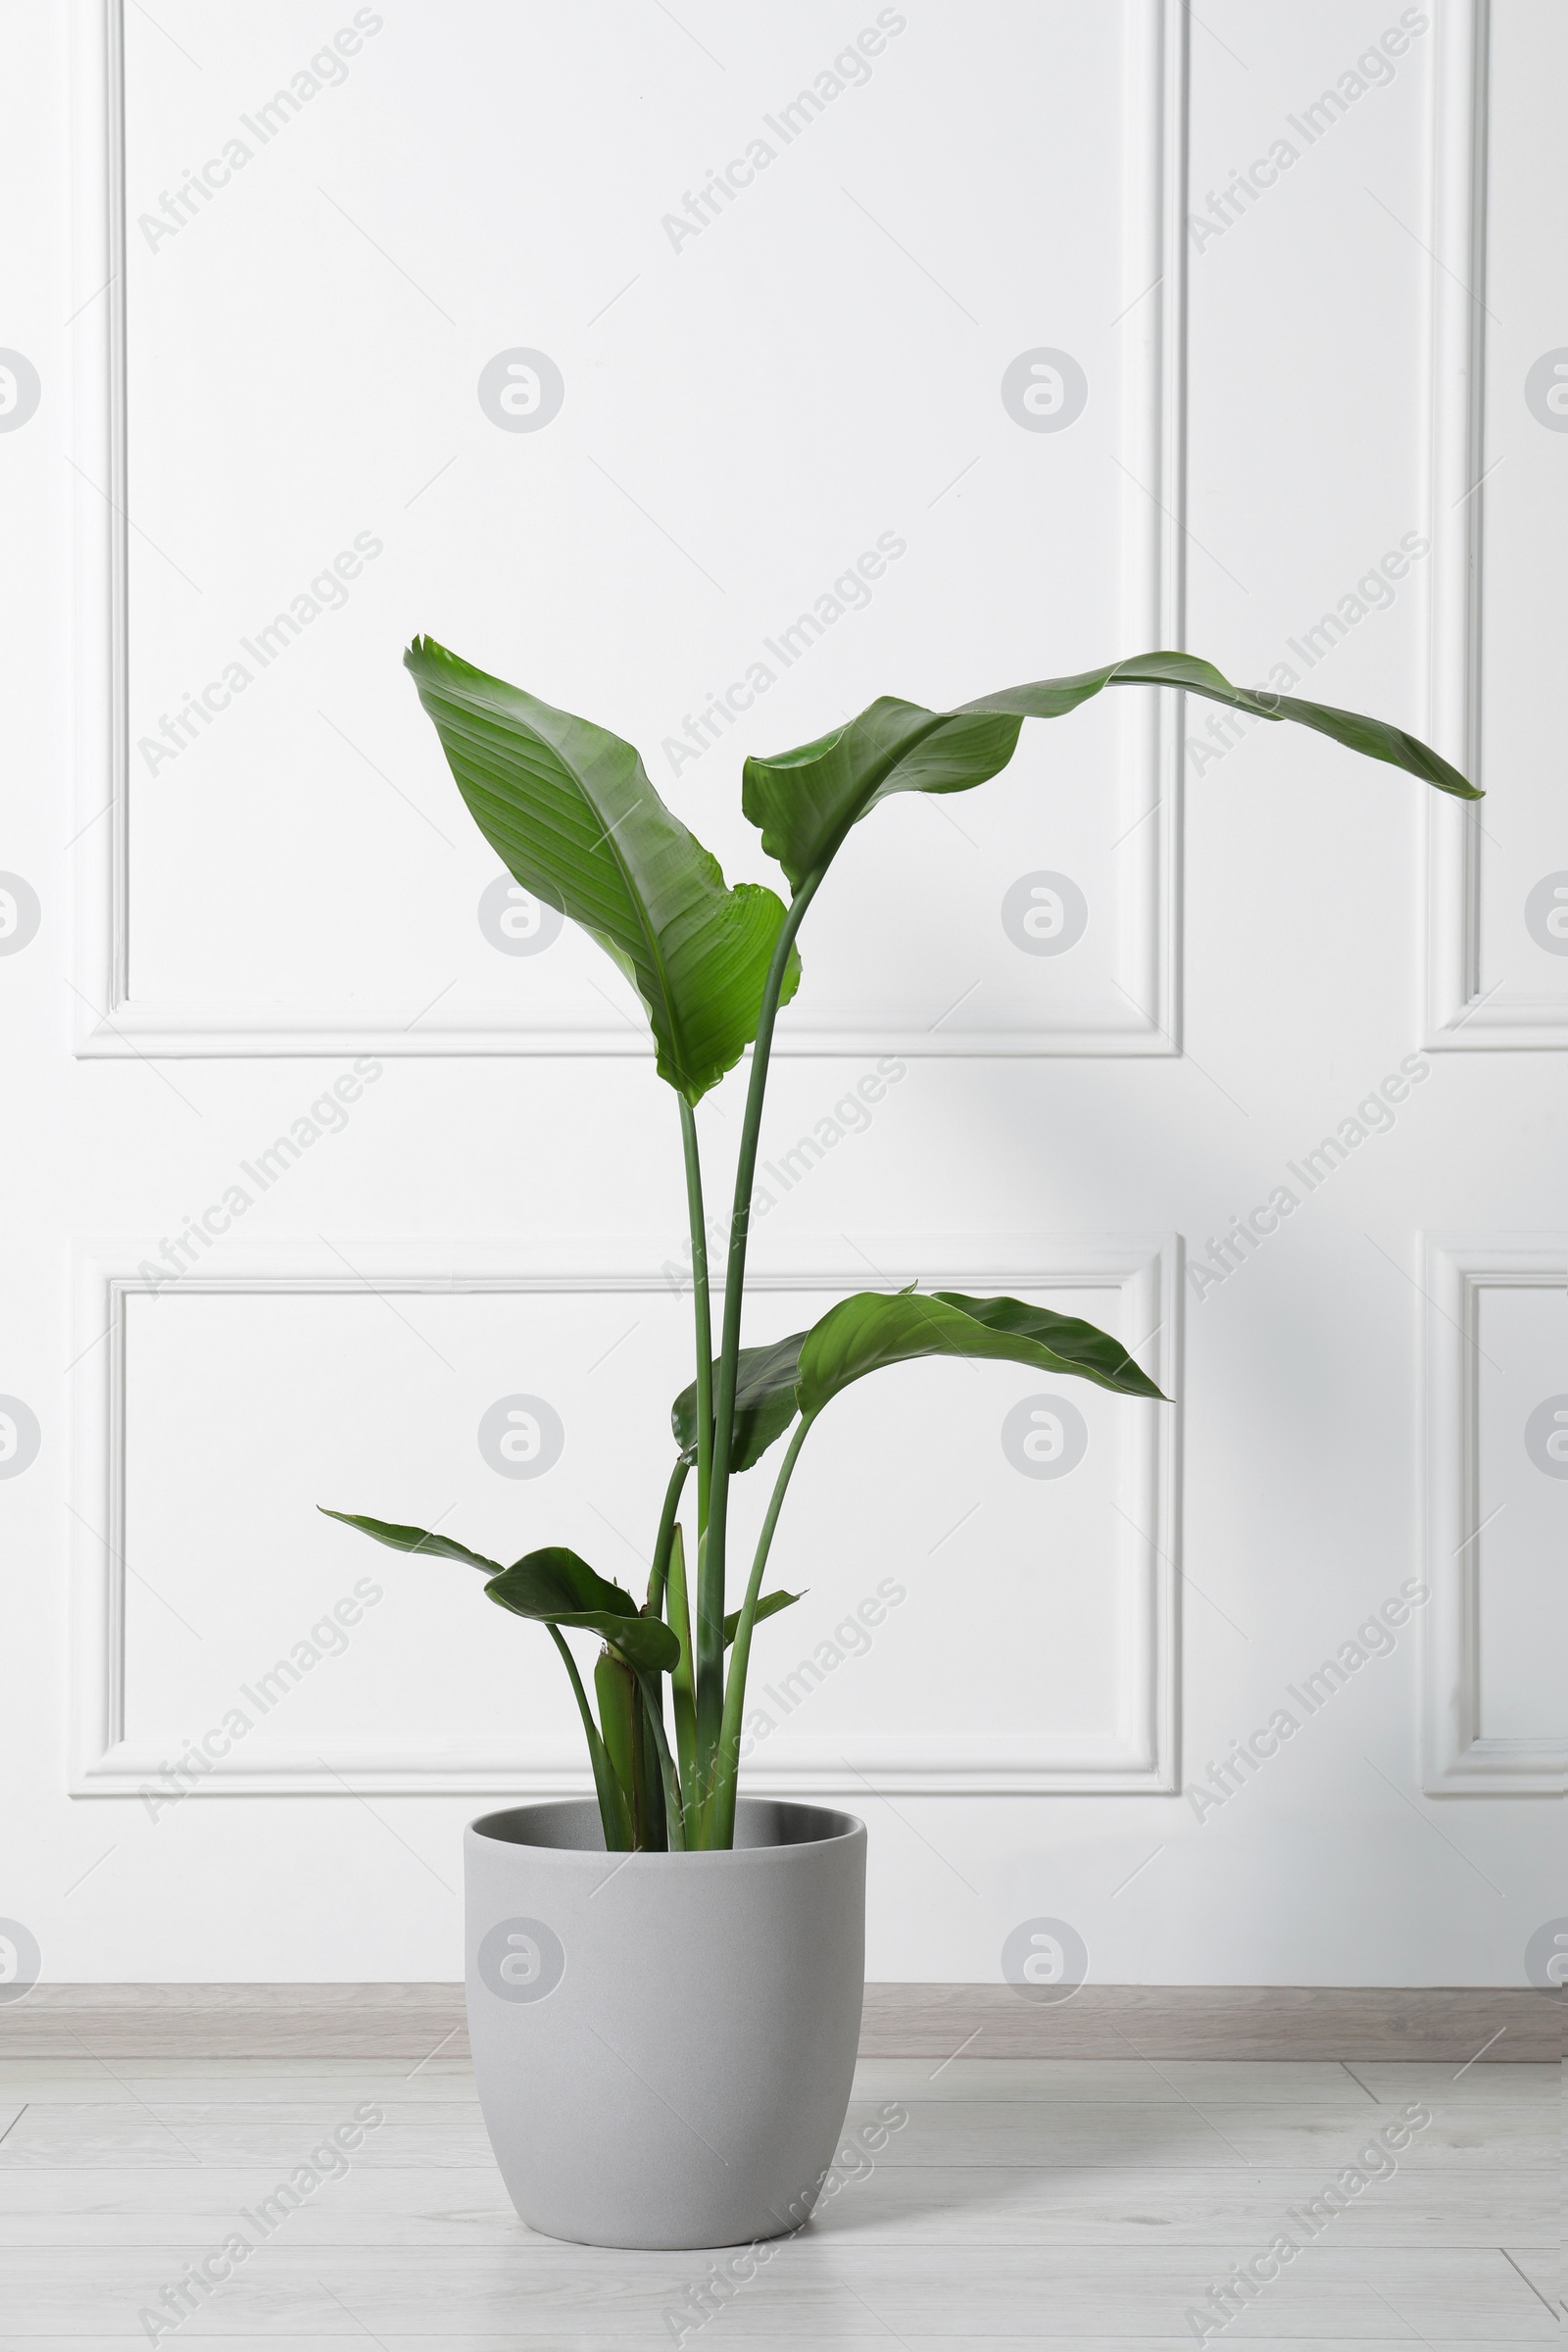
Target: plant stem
<point>653,1691</point>
<point>616,1690</point>
<point>710,1628</point>
<point>653,1786</point>
<point>702,1305</point>
<point>677,1613</point>
<point>718,1826</point>
<point>612,1809</point>
<point>666,1537</point>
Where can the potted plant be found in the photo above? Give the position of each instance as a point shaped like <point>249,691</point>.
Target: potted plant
<point>664,2044</point>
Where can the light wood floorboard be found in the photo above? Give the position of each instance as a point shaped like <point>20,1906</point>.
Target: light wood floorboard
<point>1026,2203</point>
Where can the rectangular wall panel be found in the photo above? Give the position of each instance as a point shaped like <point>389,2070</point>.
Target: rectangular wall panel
<point>1496,1516</point>
<point>511,1407</point>
<point>304,433</point>
<point>1497,916</point>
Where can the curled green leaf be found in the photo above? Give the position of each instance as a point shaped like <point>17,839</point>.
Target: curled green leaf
<point>873,1329</point>
<point>805,800</point>
<point>556,1587</point>
<point>570,811</point>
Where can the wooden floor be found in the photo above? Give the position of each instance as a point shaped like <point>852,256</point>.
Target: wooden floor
<point>1024,2201</point>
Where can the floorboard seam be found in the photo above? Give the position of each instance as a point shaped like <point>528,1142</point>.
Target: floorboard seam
<point>1528,2282</point>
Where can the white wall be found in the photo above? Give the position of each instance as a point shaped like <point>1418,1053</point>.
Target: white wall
<point>1275,403</point>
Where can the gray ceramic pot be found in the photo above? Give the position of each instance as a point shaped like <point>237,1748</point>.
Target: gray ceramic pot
<point>664,2044</point>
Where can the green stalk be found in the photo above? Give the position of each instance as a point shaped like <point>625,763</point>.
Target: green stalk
<point>652,1687</point>
<point>615,1689</point>
<point>719,1823</point>
<point>651,1788</point>
<point>681,1698</point>
<point>666,1538</point>
<point>703,1311</point>
<point>612,1809</point>
<point>711,1560</point>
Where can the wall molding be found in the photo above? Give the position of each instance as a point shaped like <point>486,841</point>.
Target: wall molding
<point>1139,1757</point>
<point>1459,1760</point>
<point>1460,1013</point>
<point>109,1021</point>
<point>1456,283</point>
<point>421,2025</point>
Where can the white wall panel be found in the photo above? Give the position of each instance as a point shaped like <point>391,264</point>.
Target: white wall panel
<point>288,376</point>
<point>1497,916</point>
<point>218,1410</point>
<point>1497,1523</point>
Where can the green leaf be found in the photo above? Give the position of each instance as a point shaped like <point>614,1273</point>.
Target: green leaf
<point>764,1403</point>
<point>569,809</point>
<point>557,1578</point>
<point>769,1606</point>
<point>805,800</point>
<point>558,1588</point>
<point>872,1329</point>
<point>413,1539</point>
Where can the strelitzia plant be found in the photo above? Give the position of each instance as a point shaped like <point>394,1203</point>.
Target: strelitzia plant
<point>570,811</point>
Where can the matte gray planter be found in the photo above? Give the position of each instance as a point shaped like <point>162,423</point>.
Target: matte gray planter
<point>664,2044</point>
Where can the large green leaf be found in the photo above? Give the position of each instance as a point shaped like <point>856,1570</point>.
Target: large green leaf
<point>413,1539</point>
<point>764,1403</point>
<point>805,800</point>
<point>558,1588</point>
<point>872,1329</point>
<point>570,811</point>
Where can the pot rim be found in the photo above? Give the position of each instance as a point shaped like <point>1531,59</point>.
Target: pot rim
<point>845,1828</point>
